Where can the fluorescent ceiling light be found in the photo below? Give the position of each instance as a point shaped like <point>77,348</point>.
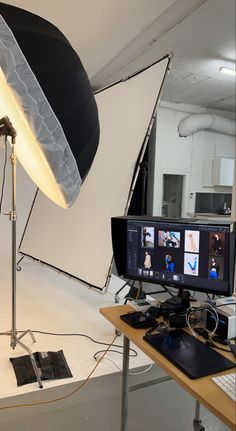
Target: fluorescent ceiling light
<point>227,70</point>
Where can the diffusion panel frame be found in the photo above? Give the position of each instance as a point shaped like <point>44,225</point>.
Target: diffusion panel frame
<point>77,241</point>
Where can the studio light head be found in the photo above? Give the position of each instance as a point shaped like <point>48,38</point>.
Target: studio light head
<point>46,93</point>
<point>48,110</point>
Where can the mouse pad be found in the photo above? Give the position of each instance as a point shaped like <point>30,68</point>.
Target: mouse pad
<point>190,355</point>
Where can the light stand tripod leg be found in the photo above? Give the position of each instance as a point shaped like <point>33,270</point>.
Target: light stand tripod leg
<point>36,370</point>
<point>25,333</point>
<point>16,340</point>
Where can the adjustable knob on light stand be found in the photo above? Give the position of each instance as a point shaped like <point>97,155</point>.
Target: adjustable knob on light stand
<point>11,215</point>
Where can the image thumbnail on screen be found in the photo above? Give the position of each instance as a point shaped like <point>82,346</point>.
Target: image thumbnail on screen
<point>168,238</point>
<point>147,237</point>
<point>191,263</point>
<point>216,268</point>
<point>191,241</point>
<point>216,243</point>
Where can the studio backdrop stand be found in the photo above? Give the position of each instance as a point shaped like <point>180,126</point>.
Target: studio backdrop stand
<point>137,205</point>
<point>7,130</point>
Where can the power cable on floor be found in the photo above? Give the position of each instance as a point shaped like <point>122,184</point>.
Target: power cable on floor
<point>13,406</point>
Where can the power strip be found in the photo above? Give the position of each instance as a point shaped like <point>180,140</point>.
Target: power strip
<point>139,304</point>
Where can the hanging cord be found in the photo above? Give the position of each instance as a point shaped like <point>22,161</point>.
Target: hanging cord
<point>4,174</point>
<point>149,367</point>
<point>132,352</point>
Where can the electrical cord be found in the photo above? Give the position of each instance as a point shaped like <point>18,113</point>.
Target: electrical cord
<point>104,352</point>
<point>108,359</point>
<point>114,351</point>
<point>209,340</point>
<point>209,336</point>
<point>212,344</point>
<point>142,372</point>
<point>35,331</point>
<point>120,369</point>
<point>192,310</point>
<point>65,396</point>
<point>224,305</point>
<point>4,174</point>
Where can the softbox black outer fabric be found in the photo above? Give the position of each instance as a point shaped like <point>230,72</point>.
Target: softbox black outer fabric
<point>48,77</point>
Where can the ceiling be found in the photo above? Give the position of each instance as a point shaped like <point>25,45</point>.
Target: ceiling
<point>114,38</point>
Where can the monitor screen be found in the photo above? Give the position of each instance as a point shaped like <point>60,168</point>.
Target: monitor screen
<point>195,255</point>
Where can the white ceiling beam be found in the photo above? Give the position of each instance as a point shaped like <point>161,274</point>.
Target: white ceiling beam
<point>134,55</point>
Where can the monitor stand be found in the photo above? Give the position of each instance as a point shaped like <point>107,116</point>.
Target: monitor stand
<point>138,293</point>
<point>179,302</point>
<point>185,296</point>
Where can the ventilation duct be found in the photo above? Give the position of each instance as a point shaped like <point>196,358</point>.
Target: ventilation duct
<point>194,123</point>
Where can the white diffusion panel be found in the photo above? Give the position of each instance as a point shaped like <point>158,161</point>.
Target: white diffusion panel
<point>78,240</point>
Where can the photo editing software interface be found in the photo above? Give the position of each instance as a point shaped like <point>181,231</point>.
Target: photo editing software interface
<point>192,255</point>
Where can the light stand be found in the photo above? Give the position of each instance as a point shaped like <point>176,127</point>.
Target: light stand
<point>7,130</point>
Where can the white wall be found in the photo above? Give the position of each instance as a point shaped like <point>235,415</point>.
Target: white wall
<point>191,156</point>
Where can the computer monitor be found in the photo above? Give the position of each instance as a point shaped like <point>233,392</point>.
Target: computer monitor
<point>183,253</point>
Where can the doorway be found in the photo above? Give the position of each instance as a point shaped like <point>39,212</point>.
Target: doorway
<point>172,195</point>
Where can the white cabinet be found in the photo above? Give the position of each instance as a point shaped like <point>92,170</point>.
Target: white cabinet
<point>222,172</point>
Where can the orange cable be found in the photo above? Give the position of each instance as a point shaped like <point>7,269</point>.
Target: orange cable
<point>65,396</point>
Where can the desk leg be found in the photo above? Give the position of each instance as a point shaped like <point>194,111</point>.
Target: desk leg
<point>197,423</point>
<point>125,389</point>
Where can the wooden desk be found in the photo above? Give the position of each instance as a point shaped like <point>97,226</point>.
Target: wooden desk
<point>204,390</point>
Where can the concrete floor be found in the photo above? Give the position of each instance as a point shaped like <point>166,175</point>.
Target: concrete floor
<point>163,407</point>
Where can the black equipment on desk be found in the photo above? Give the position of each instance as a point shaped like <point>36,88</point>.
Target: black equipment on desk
<point>190,355</point>
<point>174,304</point>
<point>138,320</point>
<point>177,320</point>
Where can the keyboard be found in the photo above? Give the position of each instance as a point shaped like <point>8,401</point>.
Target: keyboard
<point>227,383</point>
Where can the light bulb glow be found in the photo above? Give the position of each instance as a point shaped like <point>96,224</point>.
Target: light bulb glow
<point>27,148</point>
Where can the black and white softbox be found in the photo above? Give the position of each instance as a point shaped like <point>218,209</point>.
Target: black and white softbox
<point>46,93</point>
